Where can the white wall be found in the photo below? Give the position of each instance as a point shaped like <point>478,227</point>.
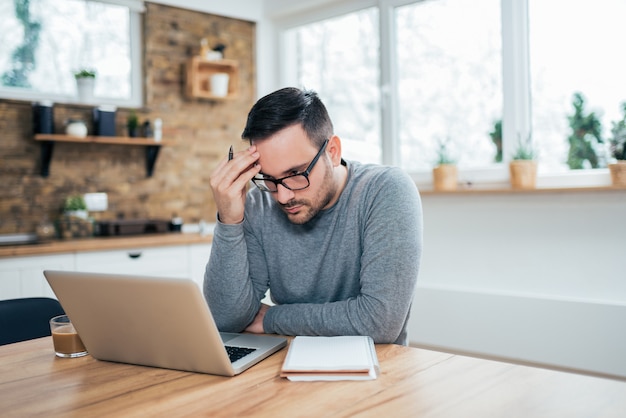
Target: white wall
<point>534,277</point>
<point>276,9</point>
<point>251,10</point>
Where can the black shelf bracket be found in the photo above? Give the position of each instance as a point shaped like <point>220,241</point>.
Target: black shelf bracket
<point>47,147</point>
<point>152,152</point>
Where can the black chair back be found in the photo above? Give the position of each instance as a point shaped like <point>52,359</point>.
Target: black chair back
<point>26,318</point>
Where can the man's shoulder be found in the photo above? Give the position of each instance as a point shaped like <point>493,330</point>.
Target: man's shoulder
<point>371,169</point>
<point>380,176</point>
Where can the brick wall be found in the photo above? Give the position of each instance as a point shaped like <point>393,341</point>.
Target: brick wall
<point>199,132</point>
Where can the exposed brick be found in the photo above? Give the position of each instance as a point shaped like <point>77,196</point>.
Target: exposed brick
<point>200,132</point>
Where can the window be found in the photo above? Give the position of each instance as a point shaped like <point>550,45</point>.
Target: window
<point>586,56</point>
<point>339,59</point>
<point>44,42</point>
<point>449,81</point>
<point>457,71</point>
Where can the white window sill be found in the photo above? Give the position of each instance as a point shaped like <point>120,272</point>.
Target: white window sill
<point>497,179</point>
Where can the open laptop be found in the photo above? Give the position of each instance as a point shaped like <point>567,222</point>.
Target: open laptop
<point>154,321</point>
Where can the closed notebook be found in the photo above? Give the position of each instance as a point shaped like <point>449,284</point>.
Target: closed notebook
<point>331,358</point>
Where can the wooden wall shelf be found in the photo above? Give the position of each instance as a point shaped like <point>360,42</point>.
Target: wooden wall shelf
<point>199,72</point>
<point>48,140</point>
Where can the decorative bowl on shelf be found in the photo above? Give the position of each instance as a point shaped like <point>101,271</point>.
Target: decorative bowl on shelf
<point>76,128</point>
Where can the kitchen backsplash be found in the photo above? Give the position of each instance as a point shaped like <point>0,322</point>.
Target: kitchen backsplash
<point>199,133</point>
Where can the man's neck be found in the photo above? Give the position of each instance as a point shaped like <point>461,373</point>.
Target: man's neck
<point>340,176</point>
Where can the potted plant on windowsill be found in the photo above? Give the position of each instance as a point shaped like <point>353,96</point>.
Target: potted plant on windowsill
<point>617,144</point>
<point>445,172</point>
<point>85,82</point>
<point>523,166</point>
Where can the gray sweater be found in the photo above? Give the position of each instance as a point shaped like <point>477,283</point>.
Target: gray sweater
<point>351,270</point>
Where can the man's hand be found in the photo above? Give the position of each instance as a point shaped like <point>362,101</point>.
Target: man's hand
<point>257,324</point>
<point>228,183</point>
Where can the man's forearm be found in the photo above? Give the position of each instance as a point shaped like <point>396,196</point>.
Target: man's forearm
<point>227,287</point>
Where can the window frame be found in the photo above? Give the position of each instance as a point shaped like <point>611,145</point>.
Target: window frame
<point>136,99</point>
<point>516,106</point>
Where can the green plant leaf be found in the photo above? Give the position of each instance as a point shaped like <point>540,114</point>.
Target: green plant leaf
<point>74,202</point>
<point>524,150</point>
<point>85,73</point>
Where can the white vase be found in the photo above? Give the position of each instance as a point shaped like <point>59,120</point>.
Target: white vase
<point>85,86</point>
<point>219,84</point>
<point>82,214</point>
<point>76,128</point>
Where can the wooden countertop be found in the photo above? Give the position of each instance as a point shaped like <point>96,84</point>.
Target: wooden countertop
<point>104,243</point>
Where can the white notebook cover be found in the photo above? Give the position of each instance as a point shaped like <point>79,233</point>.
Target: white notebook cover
<point>331,358</point>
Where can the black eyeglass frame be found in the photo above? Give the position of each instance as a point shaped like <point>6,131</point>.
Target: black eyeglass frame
<point>260,181</point>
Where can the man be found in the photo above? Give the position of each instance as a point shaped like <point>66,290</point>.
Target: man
<point>337,243</point>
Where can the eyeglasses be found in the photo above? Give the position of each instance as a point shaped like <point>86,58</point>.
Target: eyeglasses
<point>297,181</point>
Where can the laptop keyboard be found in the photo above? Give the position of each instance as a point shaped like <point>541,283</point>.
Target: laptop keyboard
<point>235,353</point>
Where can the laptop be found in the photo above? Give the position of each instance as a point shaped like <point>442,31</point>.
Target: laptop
<point>154,321</point>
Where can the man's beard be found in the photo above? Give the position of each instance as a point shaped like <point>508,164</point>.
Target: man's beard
<point>310,208</point>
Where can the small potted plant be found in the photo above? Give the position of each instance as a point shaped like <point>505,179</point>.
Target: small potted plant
<point>445,171</point>
<point>75,223</point>
<point>85,81</point>
<point>523,166</point>
<point>617,146</point>
<point>75,206</point>
<point>132,124</point>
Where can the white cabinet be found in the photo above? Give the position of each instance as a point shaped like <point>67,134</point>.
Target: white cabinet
<point>23,276</point>
<point>169,261</point>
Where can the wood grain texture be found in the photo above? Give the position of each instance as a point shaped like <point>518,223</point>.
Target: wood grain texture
<point>104,243</point>
<point>413,382</point>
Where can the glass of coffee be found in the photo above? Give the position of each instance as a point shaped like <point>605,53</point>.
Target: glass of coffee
<point>66,341</point>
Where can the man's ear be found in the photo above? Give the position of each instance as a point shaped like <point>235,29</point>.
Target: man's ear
<point>334,149</point>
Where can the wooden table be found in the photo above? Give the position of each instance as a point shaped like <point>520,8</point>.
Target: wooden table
<point>413,383</point>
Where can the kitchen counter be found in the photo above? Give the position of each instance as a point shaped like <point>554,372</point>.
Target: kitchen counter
<point>104,243</point>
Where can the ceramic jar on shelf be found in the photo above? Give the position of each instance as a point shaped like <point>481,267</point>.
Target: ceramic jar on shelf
<point>76,127</point>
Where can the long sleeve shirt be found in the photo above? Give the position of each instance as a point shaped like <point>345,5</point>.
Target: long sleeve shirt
<point>351,270</point>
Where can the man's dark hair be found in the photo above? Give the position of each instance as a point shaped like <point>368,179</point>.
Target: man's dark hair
<point>287,107</point>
